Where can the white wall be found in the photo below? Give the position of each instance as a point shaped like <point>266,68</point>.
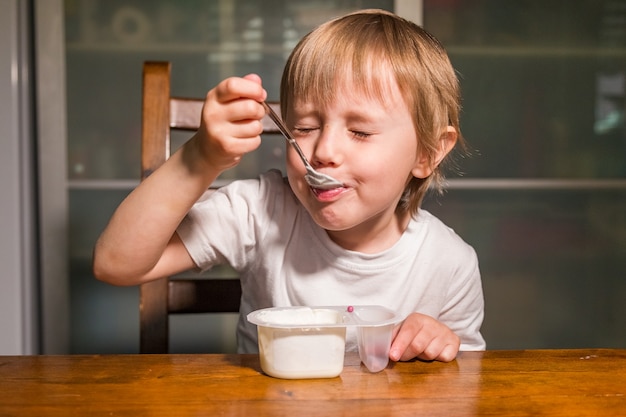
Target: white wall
<point>52,194</point>
<point>18,307</point>
<point>34,312</point>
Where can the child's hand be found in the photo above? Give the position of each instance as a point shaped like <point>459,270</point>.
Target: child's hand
<point>231,121</point>
<point>421,336</point>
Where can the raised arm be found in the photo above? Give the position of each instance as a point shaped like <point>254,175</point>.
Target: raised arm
<point>140,242</point>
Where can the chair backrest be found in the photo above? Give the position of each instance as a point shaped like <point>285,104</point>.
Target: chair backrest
<point>161,114</point>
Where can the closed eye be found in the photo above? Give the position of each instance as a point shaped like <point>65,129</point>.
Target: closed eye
<point>358,135</point>
<point>302,131</point>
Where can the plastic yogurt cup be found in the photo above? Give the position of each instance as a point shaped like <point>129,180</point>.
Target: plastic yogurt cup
<point>309,342</point>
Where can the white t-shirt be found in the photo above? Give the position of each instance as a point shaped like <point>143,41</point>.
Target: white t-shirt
<point>285,259</point>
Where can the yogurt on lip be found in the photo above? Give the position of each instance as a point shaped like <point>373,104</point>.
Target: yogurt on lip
<point>327,195</point>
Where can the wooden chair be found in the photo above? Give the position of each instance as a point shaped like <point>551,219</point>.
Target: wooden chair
<point>162,113</point>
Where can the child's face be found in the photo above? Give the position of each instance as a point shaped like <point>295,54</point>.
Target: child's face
<point>367,144</point>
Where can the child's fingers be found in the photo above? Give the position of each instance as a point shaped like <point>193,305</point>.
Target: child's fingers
<point>234,88</point>
<point>425,338</point>
<point>448,354</point>
<point>439,349</point>
<point>253,77</point>
<point>406,344</point>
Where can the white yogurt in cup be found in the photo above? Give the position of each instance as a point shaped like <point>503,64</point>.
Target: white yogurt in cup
<point>309,342</point>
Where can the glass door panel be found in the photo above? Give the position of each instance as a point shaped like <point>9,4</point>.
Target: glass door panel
<point>544,84</point>
<point>106,43</point>
<point>552,263</point>
<point>206,41</point>
<point>543,195</point>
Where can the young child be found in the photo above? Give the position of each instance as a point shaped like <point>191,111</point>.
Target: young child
<point>373,101</point>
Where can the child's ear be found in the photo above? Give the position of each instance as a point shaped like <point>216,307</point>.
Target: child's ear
<point>424,166</point>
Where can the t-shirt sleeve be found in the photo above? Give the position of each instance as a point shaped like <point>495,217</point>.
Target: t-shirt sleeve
<point>463,311</point>
<point>224,225</point>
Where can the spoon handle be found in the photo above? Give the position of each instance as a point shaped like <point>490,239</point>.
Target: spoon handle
<point>286,133</point>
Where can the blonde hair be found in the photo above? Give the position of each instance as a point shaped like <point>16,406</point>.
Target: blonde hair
<point>365,47</point>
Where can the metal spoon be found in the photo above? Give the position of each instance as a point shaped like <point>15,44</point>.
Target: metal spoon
<point>313,178</point>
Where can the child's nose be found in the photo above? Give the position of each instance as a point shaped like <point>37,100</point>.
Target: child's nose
<point>327,150</point>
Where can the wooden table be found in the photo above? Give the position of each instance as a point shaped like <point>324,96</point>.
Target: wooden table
<point>498,383</point>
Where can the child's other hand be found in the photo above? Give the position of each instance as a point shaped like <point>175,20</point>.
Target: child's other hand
<point>231,121</point>
<point>421,336</point>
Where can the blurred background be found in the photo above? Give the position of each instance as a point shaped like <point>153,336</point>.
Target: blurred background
<point>542,197</point>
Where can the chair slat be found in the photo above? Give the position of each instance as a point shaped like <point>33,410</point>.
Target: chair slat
<point>188,296</point>
<point>158,299</point>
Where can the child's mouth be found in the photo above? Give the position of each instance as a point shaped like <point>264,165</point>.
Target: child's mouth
<point>326,195</point>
